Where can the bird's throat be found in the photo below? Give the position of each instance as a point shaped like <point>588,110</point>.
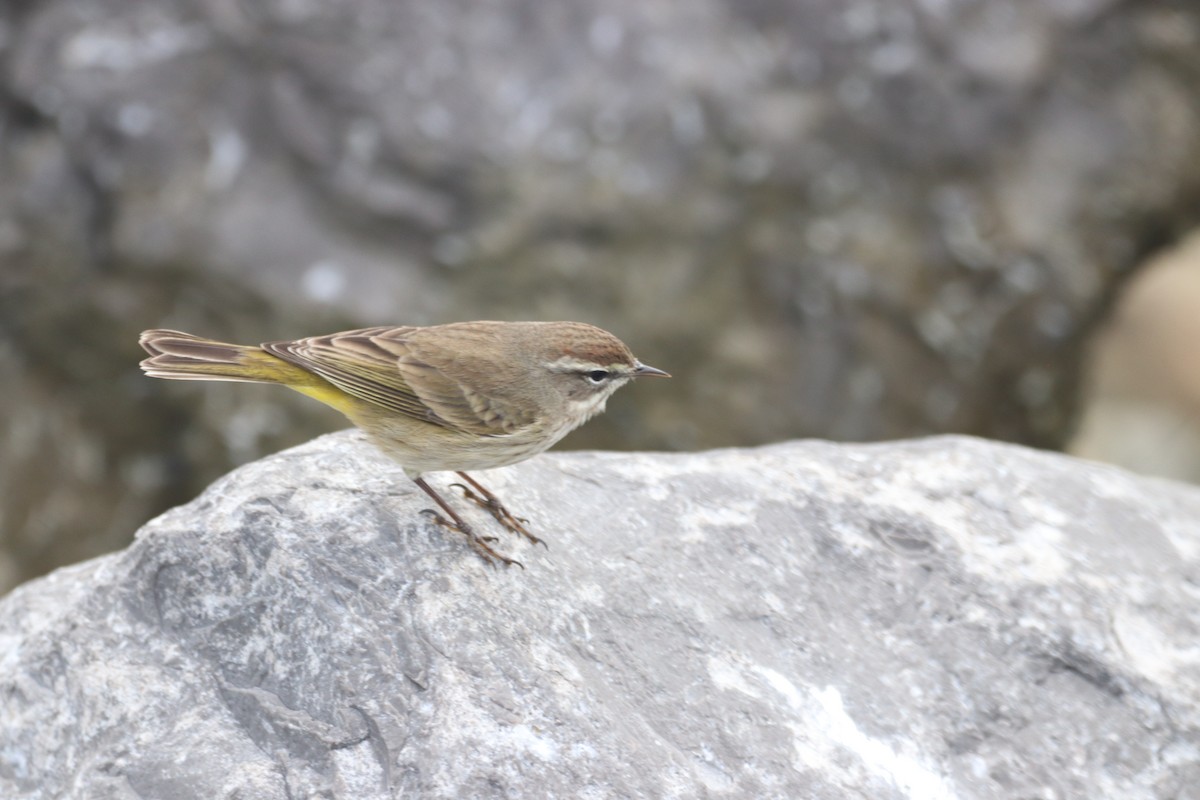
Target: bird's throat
<point>583,410</point>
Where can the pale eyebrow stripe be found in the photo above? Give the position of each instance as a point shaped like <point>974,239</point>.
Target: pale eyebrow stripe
<point>568,364</point>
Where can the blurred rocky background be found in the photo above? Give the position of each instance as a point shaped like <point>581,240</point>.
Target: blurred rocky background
<point>850,220</point>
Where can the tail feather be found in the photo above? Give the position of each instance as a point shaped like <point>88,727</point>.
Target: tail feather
<point>182,356</point>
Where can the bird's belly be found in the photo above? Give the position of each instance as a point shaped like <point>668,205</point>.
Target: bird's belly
<point>445,450</point>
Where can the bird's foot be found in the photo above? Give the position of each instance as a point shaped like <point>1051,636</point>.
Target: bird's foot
<point>478,543</point>
<point>488,501</point>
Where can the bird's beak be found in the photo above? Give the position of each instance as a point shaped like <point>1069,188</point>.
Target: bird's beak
<point>642,371</point>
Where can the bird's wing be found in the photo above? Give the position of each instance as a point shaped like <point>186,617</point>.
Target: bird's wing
<point>356,363</point>
<point>379,366</point>
<point>453,369</point>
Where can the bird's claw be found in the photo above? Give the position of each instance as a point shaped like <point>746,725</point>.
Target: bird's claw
<point>479,543</point>
<point>502,515</point>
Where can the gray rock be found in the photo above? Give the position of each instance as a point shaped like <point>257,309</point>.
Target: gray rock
<point>859,220</point>
<point>927,619</point>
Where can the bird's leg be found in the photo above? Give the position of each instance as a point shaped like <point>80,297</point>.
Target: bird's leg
<point>485,499</point>
<point>458,524</point>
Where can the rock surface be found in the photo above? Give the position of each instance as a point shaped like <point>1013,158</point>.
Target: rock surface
<point>854,220</point>
<point>927,619</point>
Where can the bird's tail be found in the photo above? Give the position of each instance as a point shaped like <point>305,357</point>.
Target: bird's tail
<point>184,357</point>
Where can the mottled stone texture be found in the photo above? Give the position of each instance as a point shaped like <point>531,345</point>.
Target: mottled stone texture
<point>852,220</point>
<point>944,618</point>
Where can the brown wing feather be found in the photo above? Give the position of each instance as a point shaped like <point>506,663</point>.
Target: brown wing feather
<point>383,367</point>
<point>363,364</point>
<point>456,404</point>
<point>444,368</point>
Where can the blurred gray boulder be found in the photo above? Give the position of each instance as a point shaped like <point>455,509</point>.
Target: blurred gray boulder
<point>850,221</point>
<point>943,618</point>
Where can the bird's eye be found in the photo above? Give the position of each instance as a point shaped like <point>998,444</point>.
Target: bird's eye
<point>597,376</point>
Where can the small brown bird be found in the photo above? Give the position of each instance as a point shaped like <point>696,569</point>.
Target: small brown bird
<point>464,396</point>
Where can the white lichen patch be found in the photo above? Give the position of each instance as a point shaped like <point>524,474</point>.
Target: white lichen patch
<point>823,732</point>
<point>358,772</point>
<point>1184,537</point>
<point>696,521</point>
<point>729,676</point>
<point>824,713</point>
<point>1032,548</point>
<point>1151,650</point>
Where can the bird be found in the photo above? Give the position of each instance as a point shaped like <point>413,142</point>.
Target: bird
<point>454,397</point>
